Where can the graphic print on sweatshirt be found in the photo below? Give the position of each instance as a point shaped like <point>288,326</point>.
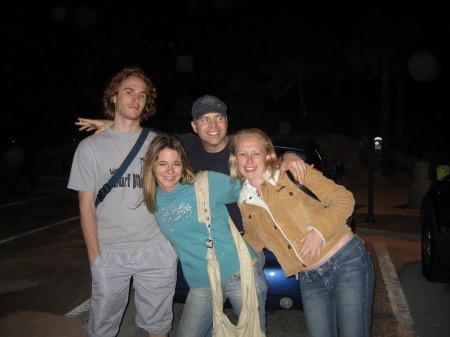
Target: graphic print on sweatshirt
<point>172,216</point>
<point>129,180</point>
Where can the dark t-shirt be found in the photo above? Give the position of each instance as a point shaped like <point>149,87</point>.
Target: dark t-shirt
<point>202,160</point>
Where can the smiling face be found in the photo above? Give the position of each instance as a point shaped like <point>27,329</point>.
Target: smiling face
<point>251,157</point>
<point>212,130</point>
<point>168,169</point>
<point>130,98</point>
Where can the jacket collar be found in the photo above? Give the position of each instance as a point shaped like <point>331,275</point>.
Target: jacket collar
<point>248,191</point>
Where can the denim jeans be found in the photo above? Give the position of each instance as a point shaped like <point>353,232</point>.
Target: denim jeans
<point>261,259</point>
<point>338,296</point>
<point>196,320</point>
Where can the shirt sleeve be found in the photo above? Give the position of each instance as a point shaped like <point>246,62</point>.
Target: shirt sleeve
<point>338,203</point>
<point>82,176</point>
<point>221,189</point>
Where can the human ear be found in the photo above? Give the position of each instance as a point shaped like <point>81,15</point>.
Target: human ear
<point>193,126</point>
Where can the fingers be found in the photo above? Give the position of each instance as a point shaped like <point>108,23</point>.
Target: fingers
<point>296,169</point>
<point>311,245</point>
<point>82,121</point>
<point>85,127</point>
<point>314,257</point>
<point>99,130</point>
<point>301,171</point>
<point>91,122</point>
<point>88,125</point>
<point>310,255</point>
<point>296,165</point>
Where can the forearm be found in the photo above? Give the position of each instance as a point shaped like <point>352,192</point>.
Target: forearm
<point>292,155</point>
<point>293,162</point>
<point>89,229</point>
<point>88,222</point>
<point>338,201</point>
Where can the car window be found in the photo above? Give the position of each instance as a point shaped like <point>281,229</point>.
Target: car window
<point>309,150</point>
<point>280,150</point>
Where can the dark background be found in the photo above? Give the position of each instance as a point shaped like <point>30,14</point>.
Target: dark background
<point>356,68</point>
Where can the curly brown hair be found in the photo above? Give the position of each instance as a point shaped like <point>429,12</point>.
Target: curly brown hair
<point>113,86</point>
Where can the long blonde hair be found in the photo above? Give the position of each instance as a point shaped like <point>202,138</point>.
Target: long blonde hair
<point>272,164</point>
<point>150,185</point>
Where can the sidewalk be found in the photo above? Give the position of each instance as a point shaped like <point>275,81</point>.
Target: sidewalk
<point>391,214</point>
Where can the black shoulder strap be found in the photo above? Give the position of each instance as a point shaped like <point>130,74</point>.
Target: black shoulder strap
<point>305,189</point>
<point>302,187</point>
<point>121,170</point>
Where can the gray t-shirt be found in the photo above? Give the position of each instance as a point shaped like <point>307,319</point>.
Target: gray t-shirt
<point>123,221</point>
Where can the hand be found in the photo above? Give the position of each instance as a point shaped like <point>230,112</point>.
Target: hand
<point>295,164</point>
<point>310,244</point>
<point>92,257</point>
<point>99,125</point>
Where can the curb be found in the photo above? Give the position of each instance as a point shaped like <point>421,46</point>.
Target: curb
<point>389,234</point>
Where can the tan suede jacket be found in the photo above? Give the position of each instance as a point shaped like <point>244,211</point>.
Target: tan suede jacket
<point>285,214</point>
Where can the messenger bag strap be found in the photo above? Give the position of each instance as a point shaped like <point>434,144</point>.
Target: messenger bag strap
<point>305,189</point>
<point>302,187</point>
<point>121,170</point>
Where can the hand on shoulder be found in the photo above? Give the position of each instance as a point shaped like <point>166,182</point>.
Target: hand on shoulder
<point>100,125</point>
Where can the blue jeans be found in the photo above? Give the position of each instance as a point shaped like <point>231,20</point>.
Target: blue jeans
<point>338,296</point>
<point>196,320</point>
<point>261,260</point>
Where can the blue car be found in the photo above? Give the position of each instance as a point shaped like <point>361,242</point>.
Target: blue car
<point>283,292</point>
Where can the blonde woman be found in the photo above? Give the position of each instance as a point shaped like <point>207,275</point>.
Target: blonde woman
<point>310,238</point>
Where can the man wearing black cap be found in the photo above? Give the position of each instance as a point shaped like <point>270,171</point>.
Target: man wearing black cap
<point>210,151</point>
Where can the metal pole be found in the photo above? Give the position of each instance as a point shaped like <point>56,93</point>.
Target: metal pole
<point>370,217</point>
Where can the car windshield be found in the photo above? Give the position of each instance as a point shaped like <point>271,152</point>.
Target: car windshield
<point>308,149</point>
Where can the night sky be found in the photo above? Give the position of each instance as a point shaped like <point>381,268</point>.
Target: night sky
<point>288,67</point>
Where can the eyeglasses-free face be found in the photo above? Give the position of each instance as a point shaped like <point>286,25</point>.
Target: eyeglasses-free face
<point>251,158</point>
<point>212,129</point>
<point>168,169</point>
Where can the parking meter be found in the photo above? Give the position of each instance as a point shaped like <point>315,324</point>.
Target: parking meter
<point>377,147</point>
<point>375,160</point>
<point>377,142</point>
